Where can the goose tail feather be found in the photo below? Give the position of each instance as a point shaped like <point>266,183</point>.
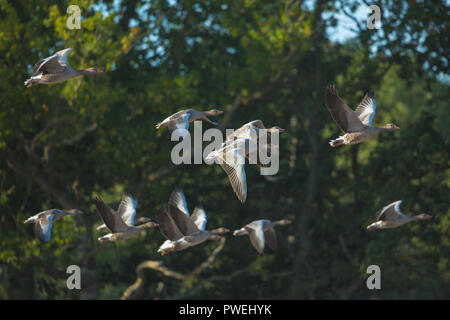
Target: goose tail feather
<point>336,142</point>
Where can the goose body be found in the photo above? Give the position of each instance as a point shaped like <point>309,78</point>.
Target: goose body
<point>56,69</point>
<point>254,130</point>
<point>390,216</point>
<point>357,124</point>
<point>241,144</point>
<point>261,232</point>
<point>181,229</point>
<point>121,225</point>
<point>43,221</point>
<point>179,121</point>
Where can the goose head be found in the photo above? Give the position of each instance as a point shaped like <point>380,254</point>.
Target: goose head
<point>219,231</point>
<point>93,70</point>
<point>276,129</point>
<point>390,127</point>
<point>75,212</point>
<point>284,222</point>
<point>142,220</point>
<point>424,216</point>
<point>213,112</point>
<point>149,224</point>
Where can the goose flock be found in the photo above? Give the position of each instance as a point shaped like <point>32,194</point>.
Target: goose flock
<point>183,230</point>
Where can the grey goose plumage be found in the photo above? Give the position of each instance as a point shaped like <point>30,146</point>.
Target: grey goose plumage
<point>357,124</point>
<point>120,230</point>
<point>181,229</point>
<point>261,232</point>
<point>390,216</point>
<point>243,143</point>
<point>43,221</point>
<point>179,121</point>
<point>56,69</point>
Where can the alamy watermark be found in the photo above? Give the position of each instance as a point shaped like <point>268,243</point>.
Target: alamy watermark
<point>374,280</point>
<point>73,281</point>
<point>374,20</point>
<point>257,147</point>
<point>74,20</point>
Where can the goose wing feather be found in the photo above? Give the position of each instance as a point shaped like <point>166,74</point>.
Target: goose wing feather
<point>366,108</point>
<point>344,117</point>
<point>111,218</point>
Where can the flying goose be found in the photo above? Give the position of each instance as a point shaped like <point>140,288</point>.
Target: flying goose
<point>180,121</point>
<point>260,232</point>
<point>55,69</point>
<point>357,124</point>
<point>391,217</point>
<point>119,229</point>
<point>43,221</point>
<point>243,143</point>
<point>181,229</point>
<point>127,211</point>
<point>253,130</point>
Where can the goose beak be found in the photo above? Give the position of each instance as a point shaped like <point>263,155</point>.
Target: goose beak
<point>396,128</point>
<point>281,130</point>
<point>100,71</point>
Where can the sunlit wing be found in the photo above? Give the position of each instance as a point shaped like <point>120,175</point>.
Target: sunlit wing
<point>390,212</point>
<point>366,109</point>
<point>256,234</point>
<point>199,217</point>
<point>179,126</point>
<point>127,209</point>
<point>62,56</point>
<point>234,166</point>
<point>48,65</point>
<point>43,227</point>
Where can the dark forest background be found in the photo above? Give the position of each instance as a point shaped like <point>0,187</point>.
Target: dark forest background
<point>61,145</point>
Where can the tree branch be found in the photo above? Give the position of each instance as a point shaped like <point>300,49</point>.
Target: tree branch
<point>136,287</point>
<point>70,141</point>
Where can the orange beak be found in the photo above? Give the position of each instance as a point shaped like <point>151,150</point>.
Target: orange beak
<point>396,128</point>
